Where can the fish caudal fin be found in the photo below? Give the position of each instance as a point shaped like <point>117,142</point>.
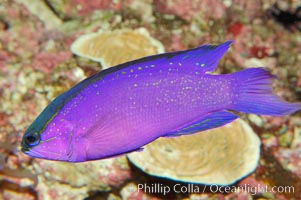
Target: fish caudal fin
<point>255,94</point>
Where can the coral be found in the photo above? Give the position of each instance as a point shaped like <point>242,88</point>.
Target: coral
<point>219,160</point>
<point>143,9</point>
<point>74,179</point>
<point>113,48</point>
<point>40,10</point>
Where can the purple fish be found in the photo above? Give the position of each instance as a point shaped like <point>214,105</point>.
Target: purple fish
<point>121,109</point>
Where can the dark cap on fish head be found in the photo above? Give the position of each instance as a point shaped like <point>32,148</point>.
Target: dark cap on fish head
<point>50,136</point>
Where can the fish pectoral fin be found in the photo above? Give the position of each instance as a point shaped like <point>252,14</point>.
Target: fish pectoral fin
<point>138,150</point>
<point>209,121</point>
<point>124,153</point>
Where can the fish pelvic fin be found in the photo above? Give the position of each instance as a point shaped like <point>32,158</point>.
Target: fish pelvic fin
<point>209,121</point>
<point>254,94</point>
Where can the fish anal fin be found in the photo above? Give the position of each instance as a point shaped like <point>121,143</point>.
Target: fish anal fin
<point>209,121</point>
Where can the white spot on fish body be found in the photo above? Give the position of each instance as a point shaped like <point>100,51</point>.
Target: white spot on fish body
<point>170,63</point>
<point>188,88</point>
<point>202,65</point>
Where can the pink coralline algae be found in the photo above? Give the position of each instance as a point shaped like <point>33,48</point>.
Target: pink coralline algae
<point>85,7</point>
<point>188,9</point>
<point>46,61</point>
<point>250,9</point>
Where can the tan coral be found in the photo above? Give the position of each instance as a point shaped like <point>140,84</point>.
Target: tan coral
<point>43,12</point>
<point>114,47</point>
<point>219,156</point>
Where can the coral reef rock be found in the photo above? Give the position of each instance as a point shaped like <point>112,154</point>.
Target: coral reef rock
<point>215,156</point>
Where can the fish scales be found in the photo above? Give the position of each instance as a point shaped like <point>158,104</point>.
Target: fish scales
<point>145,105</point>
<point>121,109</point>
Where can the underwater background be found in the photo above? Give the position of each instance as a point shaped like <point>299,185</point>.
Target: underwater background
<point>37,64</point>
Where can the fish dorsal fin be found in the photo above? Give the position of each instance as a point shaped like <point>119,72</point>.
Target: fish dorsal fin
<point>206,57</point>
<point>209,121</point>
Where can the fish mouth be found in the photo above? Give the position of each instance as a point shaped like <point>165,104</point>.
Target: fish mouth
<point>31,152</point>
<point>44,154</point>
<point>25,149</point>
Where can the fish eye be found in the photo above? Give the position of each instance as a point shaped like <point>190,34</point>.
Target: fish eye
<point>32,139</point>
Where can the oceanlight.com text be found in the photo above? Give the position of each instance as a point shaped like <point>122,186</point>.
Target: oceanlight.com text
<point>159,188</point>
<point>253,190</point>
